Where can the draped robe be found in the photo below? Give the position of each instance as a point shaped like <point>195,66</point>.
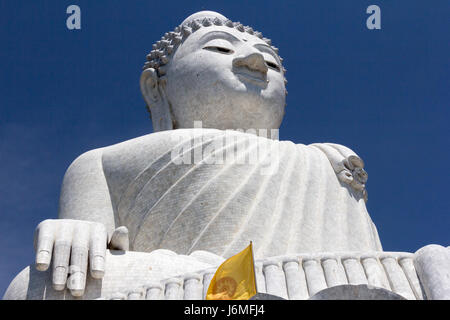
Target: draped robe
<point>284,197</point>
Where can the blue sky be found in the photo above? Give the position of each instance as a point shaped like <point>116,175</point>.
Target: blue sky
<point>383,93</point>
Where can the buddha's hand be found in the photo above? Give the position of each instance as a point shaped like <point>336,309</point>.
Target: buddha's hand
<point>348,167</point>
<point>71,244</point>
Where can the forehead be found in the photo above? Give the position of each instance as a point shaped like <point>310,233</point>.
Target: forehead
<point>223,31</point>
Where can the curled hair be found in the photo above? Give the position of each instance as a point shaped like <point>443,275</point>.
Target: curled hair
<point>163,49</point>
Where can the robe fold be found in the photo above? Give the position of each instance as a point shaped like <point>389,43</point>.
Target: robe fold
<point>218,190</point>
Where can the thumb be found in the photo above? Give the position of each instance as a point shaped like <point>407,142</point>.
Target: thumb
<point>120,239</point>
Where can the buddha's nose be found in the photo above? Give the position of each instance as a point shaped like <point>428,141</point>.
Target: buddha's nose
<point>253,61</point>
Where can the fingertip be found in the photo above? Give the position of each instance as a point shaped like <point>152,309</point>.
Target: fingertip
<point>98,267</point>
<point>59,278</point>
<point>76,284</point>
<point>42,266</point>
<point>77,293</point>
<point>356,161</point>
<point>58,286</point>
<point>97,274</point>
<point>43,260</point>
<point>122,230</point>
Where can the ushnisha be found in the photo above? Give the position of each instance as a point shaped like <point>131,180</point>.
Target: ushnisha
<point>178,217</point>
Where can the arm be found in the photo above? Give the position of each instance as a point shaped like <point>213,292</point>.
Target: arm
<point>84,192</point>
<point>85,225</point>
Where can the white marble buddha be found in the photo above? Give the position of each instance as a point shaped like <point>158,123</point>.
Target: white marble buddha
<point>211,189</point>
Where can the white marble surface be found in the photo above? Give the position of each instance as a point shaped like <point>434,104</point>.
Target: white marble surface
<point>294,277</point>
<point>432,263</point>
<point>125,272</point>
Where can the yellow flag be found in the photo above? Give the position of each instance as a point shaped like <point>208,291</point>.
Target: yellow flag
<point>235,278</point>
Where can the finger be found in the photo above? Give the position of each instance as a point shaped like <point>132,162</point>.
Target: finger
<point>358,186</point>
<point>356,162</point>
<point>345,176</point>
<point>61,258</point>
<point>360,178</point>
<point>97,250</point>
<point>361,175</point>
<point>79,260</point>
<point>44,239</point>
<point>119,239</point>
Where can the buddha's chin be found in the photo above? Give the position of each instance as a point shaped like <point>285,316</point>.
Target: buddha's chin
<point>256,107</point>
<point>253,98</point>
<point>244,121</point>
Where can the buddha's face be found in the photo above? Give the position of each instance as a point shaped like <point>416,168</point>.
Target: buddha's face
<point>227,79</point>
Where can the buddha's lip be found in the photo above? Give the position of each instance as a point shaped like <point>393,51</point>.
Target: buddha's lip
<point>254,77</point>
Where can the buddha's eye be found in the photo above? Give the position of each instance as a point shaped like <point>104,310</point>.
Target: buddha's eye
<point>219,49</point>
<point>273,66</point>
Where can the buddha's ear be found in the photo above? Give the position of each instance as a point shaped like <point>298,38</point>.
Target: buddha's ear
<point>149,87</point>
<point>156,101</point>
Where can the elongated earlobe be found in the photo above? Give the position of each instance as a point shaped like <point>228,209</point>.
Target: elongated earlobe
<point>156,100</point>
<point>149,86</point>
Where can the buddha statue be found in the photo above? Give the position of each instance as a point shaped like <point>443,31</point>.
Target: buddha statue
<point>212,177</point>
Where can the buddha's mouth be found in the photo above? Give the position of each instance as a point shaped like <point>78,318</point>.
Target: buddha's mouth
<point>252,76</point>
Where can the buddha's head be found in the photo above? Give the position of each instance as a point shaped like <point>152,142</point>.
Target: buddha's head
<point>212,70</point>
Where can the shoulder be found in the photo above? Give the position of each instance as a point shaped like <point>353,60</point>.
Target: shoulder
<point>348,166</point>
<point>86,163</point>
<point>334,147</point>
<point>155,144</point>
